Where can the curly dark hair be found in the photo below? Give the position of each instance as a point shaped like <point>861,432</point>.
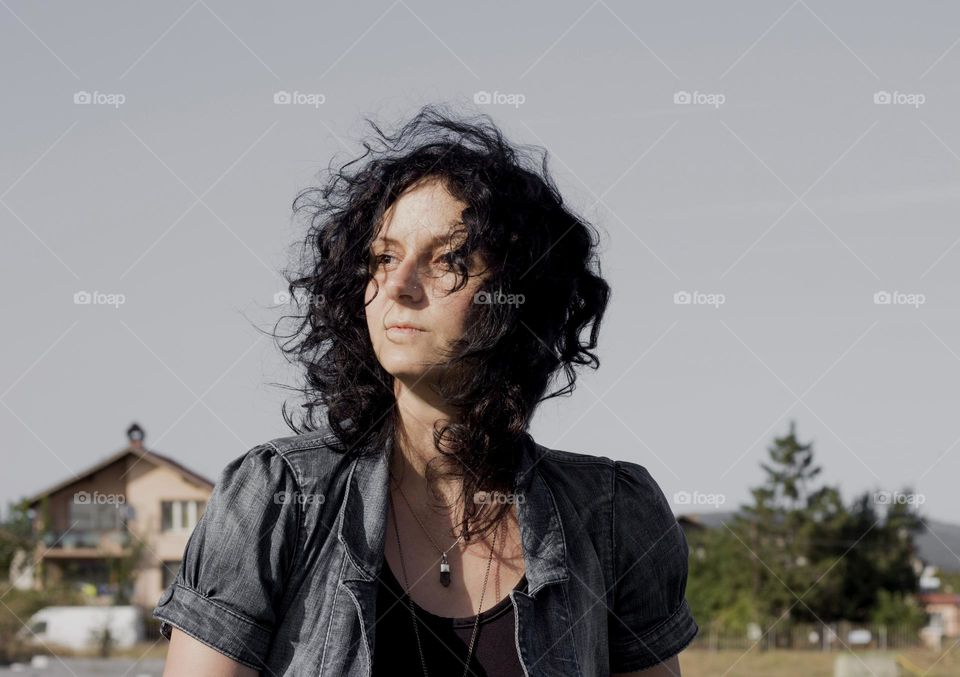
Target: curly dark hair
<point>498,372</point>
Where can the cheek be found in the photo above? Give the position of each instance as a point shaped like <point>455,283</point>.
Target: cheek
<point>369,292</point>
<point>374,297</point>
<point>454,310</point>
<point>373,310</point>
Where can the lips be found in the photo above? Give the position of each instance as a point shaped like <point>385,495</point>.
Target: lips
<point>405,325</point>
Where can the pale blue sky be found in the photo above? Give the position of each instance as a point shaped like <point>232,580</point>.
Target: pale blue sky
<point>795,196</point>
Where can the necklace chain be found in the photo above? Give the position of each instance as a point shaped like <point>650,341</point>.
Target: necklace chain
<point>406,582</point>
<point>439,549</point>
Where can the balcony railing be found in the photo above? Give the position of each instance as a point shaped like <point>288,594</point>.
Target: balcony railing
<point>115,539</point>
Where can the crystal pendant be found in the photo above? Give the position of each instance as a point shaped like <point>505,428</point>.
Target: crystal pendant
<point>444,571</point>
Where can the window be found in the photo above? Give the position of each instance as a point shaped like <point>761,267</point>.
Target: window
<point>91,516</point>
<point>180,515</point>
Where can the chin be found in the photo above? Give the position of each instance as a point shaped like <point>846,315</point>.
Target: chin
<point>403,367</point>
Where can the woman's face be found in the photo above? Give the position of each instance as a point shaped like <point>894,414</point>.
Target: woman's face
<point>413,277</point>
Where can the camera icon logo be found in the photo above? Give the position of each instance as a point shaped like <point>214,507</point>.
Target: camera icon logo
<point>282,97</point>
<point>882,298</point>
<point>682,97</point>
<point>481,97</point>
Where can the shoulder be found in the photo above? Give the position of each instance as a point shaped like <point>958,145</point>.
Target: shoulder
<point>298,472</point>
<point>573,467</point>
<point>568,467</point>
<point>289,482</point>
<point>596,475</point>
<point>621,494</point>
<point>308,457</point>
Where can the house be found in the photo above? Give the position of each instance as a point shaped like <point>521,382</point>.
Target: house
<point>944,610</point>
<point>134,504</point>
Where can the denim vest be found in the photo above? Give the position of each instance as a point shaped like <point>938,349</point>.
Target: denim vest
<point>288,585</point>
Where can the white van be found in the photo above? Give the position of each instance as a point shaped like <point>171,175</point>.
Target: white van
<point>81,627</point>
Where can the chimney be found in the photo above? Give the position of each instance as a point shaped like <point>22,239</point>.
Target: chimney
<point>135,435</point>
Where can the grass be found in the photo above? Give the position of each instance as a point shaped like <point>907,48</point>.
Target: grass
<point>706,663</point>
<point>783,663</point>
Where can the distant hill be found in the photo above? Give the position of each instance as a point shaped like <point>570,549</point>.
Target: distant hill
<point>711,520</point>
<point>939,546</point>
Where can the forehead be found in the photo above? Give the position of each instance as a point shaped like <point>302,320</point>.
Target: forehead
<point>423,215</point>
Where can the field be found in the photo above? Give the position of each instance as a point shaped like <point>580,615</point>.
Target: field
<point>147,660</point>
<point>703,663</point>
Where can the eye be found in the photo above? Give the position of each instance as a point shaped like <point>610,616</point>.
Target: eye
<point>379,259</point>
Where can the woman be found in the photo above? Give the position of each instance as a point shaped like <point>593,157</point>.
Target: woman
<point>412,525</point>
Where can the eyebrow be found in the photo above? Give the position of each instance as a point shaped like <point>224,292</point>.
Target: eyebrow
<point>434,240</point>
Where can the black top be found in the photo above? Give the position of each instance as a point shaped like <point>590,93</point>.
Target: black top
<point>445,641</point>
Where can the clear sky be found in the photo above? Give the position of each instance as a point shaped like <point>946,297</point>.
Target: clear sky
<point>787,161</point>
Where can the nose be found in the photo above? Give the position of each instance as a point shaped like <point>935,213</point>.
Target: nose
<point>404,281</point>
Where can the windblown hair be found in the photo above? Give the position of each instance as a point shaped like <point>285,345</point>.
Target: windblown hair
<point>500,369</point>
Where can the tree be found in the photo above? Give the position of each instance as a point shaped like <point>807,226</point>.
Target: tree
<point>124,568</point>
<point>867,551</point>
<point>16,534</point>
<point>797,551</point>
<point>779,525</point>
<point>791,472</point>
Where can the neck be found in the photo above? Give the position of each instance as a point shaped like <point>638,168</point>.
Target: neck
<point>419,411</point>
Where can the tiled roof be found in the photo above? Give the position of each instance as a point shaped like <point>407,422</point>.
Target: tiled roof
<point>145,454</point>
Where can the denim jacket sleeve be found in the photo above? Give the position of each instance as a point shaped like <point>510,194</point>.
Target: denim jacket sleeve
<point>650,621</point>
<point>236,562</point>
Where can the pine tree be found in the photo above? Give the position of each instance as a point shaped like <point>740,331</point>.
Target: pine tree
<point>778,525</point>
